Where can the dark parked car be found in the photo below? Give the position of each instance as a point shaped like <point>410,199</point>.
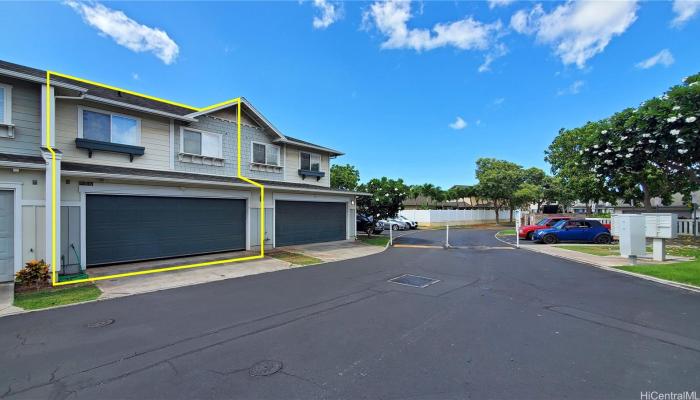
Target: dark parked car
<point>367,225</point>
<point>574,230</point>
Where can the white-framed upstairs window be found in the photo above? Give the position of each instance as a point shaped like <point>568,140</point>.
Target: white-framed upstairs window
<point>309,161</point>
<point>265,154</point>
<point>5,104</point>
<point>105,126</point>
<point>201,143</point>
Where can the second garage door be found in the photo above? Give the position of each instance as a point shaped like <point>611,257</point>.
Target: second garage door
<point>299,222</point>
<point>131,228</point>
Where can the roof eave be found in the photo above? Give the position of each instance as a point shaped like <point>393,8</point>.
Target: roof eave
<point>98,99</point>
<point>36,79</point>
<point>311,146</point>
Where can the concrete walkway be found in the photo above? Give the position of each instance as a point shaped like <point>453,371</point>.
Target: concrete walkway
<point>7,297</point>
<point>603,261</point>
<point>327,252</point>
<point>334,251</point>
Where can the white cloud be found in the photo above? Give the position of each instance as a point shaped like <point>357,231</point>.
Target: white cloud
<point>577,30</point>
<point>685,10</point>
<point>125,31</point>
<point>330,13</point>
<point>664,57</point>
<point>391,19</point>
<point>574,88</point>
<point>135,76</point>
<point>458,124</point>
<point>498,3</point>
<point>499,50</point>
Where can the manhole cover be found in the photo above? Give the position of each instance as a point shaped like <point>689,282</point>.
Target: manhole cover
<point>265,368</point>
<point>100,324</point>
<point>414,280</point>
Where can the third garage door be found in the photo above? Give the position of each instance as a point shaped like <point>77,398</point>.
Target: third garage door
<point>131,228</point>
<point>299,222</point>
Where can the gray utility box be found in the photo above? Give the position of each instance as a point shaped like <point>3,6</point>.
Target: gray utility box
<point>629,228</point>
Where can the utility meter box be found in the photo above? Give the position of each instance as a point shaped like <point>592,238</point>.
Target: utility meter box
<point>661,225</point>
<point>629,228</point>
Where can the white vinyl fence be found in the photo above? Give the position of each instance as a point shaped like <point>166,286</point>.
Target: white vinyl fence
<point>685,227</point>
<point>454,217</point>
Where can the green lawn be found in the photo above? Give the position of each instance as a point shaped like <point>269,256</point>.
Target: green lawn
<point>374,240</point>
<point>596,250</point>
<point>506,232</point>
<point>52,297</point>
<point>685,272</point>
<point>295,258</point>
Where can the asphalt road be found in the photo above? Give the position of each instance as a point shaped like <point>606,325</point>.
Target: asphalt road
<point>501,323</point>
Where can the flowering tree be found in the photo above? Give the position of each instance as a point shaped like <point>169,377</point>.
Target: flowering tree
<point>651,151</point>
<point>574,180</point>
<point>386,200</point>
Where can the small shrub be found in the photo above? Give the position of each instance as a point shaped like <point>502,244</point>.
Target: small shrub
<point>34,274</point>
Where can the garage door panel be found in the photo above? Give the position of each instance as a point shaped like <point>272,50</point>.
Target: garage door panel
<point>129,228</point>
<point>300,222</point>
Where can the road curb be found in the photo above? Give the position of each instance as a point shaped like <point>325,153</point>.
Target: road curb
<point>690,288</point>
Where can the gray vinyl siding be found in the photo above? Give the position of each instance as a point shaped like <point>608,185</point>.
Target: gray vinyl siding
<point>214,125</point>
<point>227,129</point>
<point>251,134</point>
<point>26,116</point>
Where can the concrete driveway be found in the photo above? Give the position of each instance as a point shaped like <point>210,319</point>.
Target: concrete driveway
<point>500,323</point>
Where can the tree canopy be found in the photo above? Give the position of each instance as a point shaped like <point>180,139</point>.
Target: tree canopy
<point>387,196</point>
<point>344,177</point>
<point>636,154</point>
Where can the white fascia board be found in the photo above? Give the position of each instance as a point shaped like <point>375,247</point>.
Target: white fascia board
<point>252,109</point>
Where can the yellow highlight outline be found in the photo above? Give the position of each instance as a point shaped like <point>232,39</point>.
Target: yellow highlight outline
<point>237,101</point>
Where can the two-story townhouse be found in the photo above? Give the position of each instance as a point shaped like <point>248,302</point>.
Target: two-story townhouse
<point>141,179</point>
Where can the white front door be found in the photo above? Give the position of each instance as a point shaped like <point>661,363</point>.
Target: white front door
<point>7,235</point>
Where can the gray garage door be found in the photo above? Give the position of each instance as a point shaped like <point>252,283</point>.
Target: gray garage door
<point>299,222</point>
<point>130,228</point>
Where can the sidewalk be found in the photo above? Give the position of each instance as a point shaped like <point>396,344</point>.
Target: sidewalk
<point>603,261</point>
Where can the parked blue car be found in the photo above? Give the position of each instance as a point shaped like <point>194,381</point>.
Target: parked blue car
<point>574,230</point>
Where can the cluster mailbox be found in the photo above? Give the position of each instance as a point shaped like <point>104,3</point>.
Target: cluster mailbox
<point>661,225</point>
<point>633,229</point>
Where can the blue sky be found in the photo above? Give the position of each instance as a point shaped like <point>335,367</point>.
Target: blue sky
<point>413,90</point>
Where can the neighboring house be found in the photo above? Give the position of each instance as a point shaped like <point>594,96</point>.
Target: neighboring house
<point>677,206</point>
<point>141,179</point>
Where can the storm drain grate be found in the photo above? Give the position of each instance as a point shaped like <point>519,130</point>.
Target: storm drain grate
<point>414,280</point>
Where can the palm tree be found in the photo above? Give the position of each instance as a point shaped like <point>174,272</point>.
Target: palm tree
<point>427,190</point>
